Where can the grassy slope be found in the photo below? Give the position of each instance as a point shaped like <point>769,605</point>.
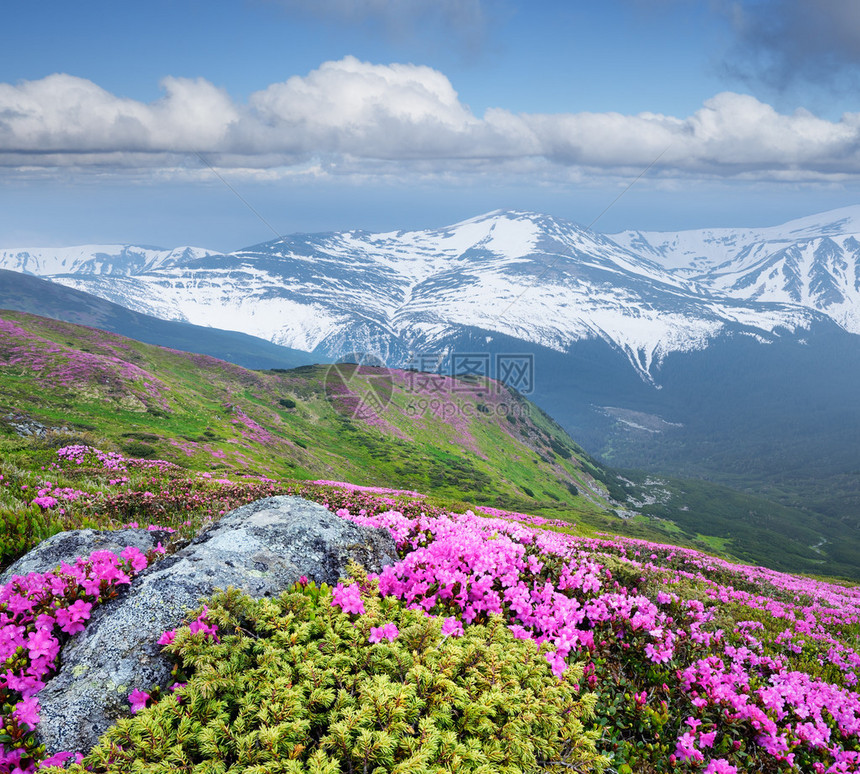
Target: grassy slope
<point>206,414</point>
<point>456,441</point>
<point>25,293</point>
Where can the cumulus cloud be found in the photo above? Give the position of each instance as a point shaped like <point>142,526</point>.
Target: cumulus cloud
<point>62,113</point>
<point>356,118</point>
<point>782,41</point>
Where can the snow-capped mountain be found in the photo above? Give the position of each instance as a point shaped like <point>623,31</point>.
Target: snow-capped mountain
<point>520,275</point>
<point>813,262</point>
<point>94,259</point>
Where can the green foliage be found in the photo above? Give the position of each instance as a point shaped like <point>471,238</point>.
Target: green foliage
<point>559,449</point>
<point>203,415</point>
<point>298,687</point>
<point>139,449</point>
<point>23,528</point>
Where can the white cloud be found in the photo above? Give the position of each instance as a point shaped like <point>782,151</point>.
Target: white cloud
<point>62,113</point>
<point>351,117</point>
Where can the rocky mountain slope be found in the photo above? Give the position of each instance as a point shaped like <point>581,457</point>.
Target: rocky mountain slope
<point>529,277</point>
<point>813,262</point>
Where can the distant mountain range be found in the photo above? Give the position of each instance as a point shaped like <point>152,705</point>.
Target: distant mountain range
<point>25,293</point>
<point>731,354</point>
<point>521,275</point>
<point>813,262</point>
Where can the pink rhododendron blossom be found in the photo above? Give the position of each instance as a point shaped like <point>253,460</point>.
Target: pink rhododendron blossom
<point>202,625</point>
<point>387,632</point>
<point>720,766</point>
<point>71,619</point>
<point>135,558</point>
<point>451,627</point>
<point>27,711</point>
<point>138,700</point>
<point>348,599</point>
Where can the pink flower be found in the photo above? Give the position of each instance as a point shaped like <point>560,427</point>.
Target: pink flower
<point>71,619</point>
<point>202,625</point>
<point>686,748</point>
<point>27,711</point>
<point>387,632</point>
<point>42,643</point>
<point>138,700</point>
<point>348,599</point>
<point>60,758</point>
<point>451,627</point>
<point>135,558</point>
<point>720,766</point>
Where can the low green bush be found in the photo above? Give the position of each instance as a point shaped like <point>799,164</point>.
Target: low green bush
<point>22,528</point>
<point>138,449</point>
<point>296,685</point>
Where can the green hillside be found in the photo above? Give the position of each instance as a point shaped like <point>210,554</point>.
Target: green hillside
<point>457,440</point>
<point>462,443</point>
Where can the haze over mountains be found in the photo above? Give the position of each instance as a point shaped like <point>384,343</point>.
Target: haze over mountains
<point>730,354</point>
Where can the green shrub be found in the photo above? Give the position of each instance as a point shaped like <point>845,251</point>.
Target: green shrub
<point>138,450</point>
<point>287,403</point>
<point>560,449</point>
<point>296,686</point>
<point>22,528</point>
<point>151,437</point>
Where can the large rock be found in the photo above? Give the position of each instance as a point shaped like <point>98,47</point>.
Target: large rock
<point>261,548</point>
<point>68,546</point>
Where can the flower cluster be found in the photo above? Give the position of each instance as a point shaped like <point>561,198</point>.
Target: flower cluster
<point>698,665</point>
<point>38,612</point>
<point>561,591</point>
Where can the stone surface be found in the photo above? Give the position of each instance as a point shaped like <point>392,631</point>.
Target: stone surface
<point>261,548</point>
<point>68,546</point>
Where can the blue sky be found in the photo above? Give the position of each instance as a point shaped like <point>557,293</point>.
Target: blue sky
<point>145,122</point>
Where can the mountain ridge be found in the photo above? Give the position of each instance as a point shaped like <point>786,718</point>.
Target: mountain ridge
<point>397,293</point>
<point>812,262</point>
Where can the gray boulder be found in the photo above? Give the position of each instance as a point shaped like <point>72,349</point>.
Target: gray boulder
<point>68,546</point>
<point>262,549</point>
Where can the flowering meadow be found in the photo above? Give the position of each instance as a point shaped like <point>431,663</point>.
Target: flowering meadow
<point>696,664</point>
